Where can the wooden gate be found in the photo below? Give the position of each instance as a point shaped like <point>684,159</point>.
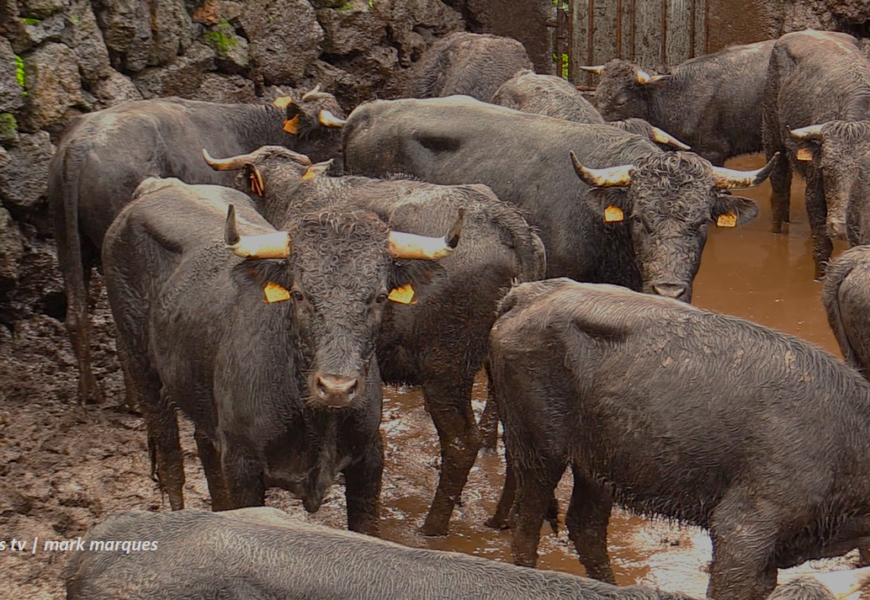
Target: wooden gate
<point>647,32</point>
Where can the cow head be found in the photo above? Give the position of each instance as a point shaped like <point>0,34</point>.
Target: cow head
<point>668,200</point>
<point>313,111</point>
<point>624,90</point>
<point>839,149</point>
<point>334,274</point>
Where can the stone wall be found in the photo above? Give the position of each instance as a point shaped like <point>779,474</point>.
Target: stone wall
<point>61,58</point>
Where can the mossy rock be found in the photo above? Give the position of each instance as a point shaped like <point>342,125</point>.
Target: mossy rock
<point>8,129</point>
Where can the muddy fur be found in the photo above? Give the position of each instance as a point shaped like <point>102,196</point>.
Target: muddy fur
<point>664,408</point>
<point>846,297</point>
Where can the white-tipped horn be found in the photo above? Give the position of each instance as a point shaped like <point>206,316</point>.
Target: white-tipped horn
<point>327,119</point>
<point>598,70</point>
<point>612,177</point>
<point>731,179</point>
<point>805,134</point>
<point>645,78</point>
<point>413,246</point>
<point>267,245</point>
<point>313,92</point>
<point>661,136</point>
<point>233,163</point>
<point>844,583</point>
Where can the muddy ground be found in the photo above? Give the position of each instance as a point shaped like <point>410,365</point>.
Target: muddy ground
<point>64,467</point>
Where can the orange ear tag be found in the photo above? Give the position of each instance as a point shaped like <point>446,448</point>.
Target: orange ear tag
<point>292,125</point>
<point>403,295</point>
<point>805,154</point>
<point>727,220</point>
<point>283,101</point>
<point>275,293</point>
<point>613,214</point>
<point>257,185</point>
<point>309,174</point>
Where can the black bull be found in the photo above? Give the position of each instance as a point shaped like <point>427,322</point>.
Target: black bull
<point>644,228</point>
<point>440,340</point>
<point>669,410</point>
<point>264,553</point>
<point>104,155</point>
<point>271,355</point>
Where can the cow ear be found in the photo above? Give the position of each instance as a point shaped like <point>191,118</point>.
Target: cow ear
<point>608,205</point>
<point>409,276</point>
<point>807,151</point>
<point>731,211</point>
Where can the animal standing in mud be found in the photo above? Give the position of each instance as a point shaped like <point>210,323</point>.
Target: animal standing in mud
<point>757,436</point>
<point>437,338</point>
<point>104,155</point>
<point>637,216</point>
<point>264,338</point>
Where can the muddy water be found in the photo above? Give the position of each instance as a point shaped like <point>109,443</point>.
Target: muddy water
<point>747,272</point>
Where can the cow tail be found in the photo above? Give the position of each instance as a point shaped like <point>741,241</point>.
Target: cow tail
<point>835,274</point>
<point>527,245</point>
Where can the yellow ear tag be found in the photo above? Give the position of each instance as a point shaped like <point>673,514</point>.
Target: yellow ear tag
<point>275,293</point>
<point>283,101</point>
<point>309,174</point>
<point>727,220</point>
<point>292,125</point>
<point>613,214</point>
<point>402,295</point>
<point>805,154</point>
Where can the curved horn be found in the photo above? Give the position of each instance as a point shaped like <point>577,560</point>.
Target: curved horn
<point>233,163</point>
<point>660,136</point>
<point>730,179</point>
<point>327,119</point>
<point>598,70</point>
<point>805,134</point>
<point>612,177</point>
<point>844,583</point>
<point>268,245</point>
<point>645,78</point>
<point>314,92</point>
<point>412,246</point>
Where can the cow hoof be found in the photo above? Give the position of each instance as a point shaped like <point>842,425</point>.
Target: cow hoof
<point>497,523</point>
<point>90,394</point>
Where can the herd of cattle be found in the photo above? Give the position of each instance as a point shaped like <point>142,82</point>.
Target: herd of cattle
<point>269,267</point>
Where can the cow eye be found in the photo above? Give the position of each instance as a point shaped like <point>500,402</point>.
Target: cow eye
<point>297,295</point>
<point>381,298</point>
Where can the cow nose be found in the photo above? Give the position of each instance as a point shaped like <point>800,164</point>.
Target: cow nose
<point>670,290</point>
<point>837,230</point>
<point>336,391</point>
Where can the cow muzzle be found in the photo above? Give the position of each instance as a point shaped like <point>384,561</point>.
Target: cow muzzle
<point>677,291</point>
<point>335,391</point>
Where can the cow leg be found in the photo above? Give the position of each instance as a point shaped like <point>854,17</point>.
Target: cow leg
<point>744,533</point>
<point>243,472</point>
<point>450,408</point>
<point>211,464</point>
<point>489,419</point>
<point>162,424</point>
<point>363,490</point>
<point>817,213</point>
<point>508,493</point>
<point>537,478</point>
<point>76,260</point>
<point>780,196</point>
<point>587,519</point>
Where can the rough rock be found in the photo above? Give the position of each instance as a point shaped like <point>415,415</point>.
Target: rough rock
<point>284,38</point>
<point>230,49</point>
<point>11,92</point>
<point>42,9</point>
<point>227,89</point>
<point>11,250</point>
<point>852,11</point>
<point>53,85</point>
<point>85,38</point>
<point>170,25</point>
<point>8,129</point>
<point>408,19</point>
<point>114,89</point>
<point>359,78</point>
<point>352,27</point>
<point>48,30</point>
<point>126,26</point>
<point>231,11</point>
<point>181,78</point>
<point>23,179</point>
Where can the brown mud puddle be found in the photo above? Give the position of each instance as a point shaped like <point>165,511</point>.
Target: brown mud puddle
<point>63,468</point>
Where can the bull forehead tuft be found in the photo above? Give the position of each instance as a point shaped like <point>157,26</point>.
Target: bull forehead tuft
<point>677,168</point>
<point>358,225</point>
<point>847,132</point>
